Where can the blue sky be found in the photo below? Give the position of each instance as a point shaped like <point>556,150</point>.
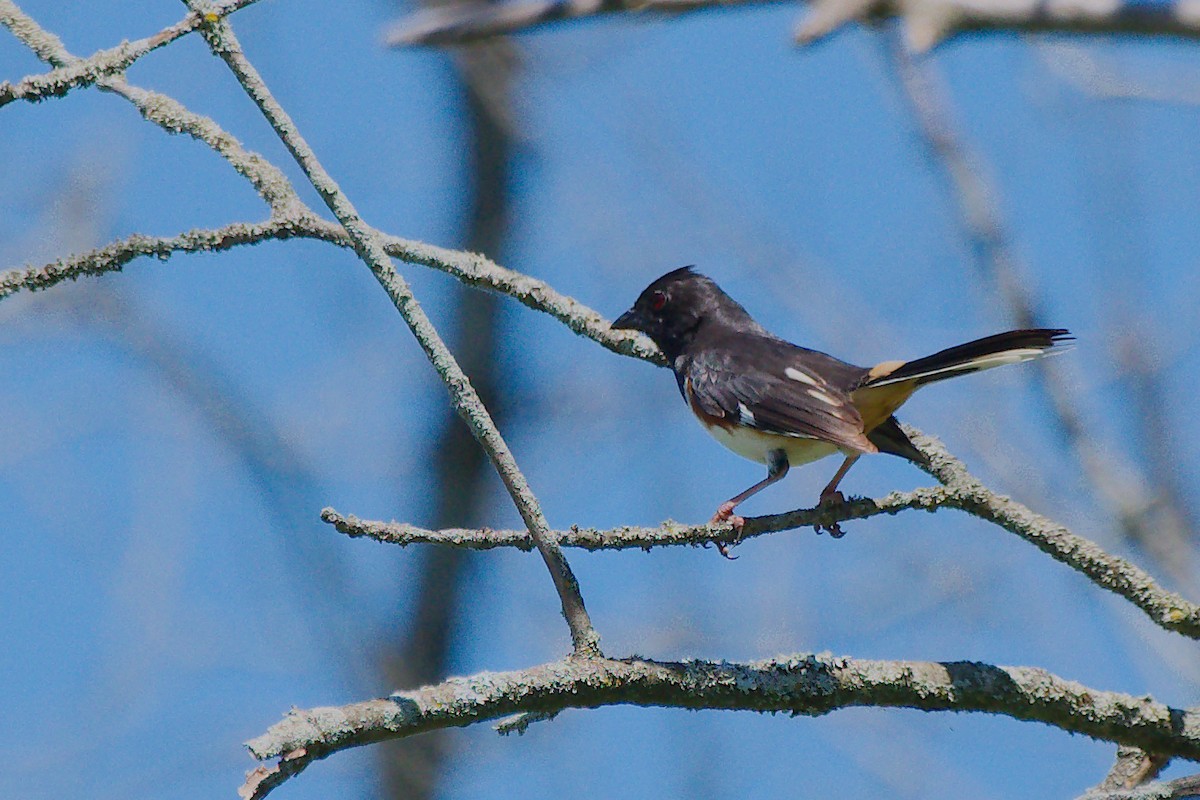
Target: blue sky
<point>169,590</point>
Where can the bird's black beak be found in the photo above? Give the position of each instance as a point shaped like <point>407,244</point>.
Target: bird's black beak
<point>629,321</point>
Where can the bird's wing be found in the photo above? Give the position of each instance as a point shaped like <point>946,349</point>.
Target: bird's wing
<point>775,392</point>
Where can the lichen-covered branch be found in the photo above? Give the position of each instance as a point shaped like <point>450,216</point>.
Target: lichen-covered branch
<point>927,22</point>
<point>1165,608</point>
<point>800,684</point>
<point>164,111</point>
<point>73,72</point>
<point>1132,768</point>
<point>629,537</point>
<point>960,490</point>
<point>1187,786</point>
<point>370,246</point>
<point>471,269</point>
<point>966,492</point>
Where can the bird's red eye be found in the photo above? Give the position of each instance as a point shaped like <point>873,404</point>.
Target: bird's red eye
<point>658,301</point>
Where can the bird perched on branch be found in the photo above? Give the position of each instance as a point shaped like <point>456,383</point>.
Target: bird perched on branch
<point>782,405</point>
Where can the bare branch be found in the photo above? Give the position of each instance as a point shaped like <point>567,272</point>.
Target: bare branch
<point>44,44</point>
<point>1132,768</point>
<point>460,22</point>
<point>294,219</point>
<point>114,256</point>
<point>73,72</point>
<point>166,112</point>
<point>173,117</point>
<point>371,248</point>
<point>473,270</point>
<point>1078,65</point>
<point>960,490</point>
<point>801,684</point>
<point>1122,495</point>
<point>1166,609</point>
<point>1188,786</point>
<point>927,21</point>
<point>631,537</point>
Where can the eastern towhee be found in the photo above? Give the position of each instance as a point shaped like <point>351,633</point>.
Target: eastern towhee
<point>782,405</point>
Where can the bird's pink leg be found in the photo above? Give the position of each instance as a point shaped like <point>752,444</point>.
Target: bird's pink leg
<point>830,496</point>
<point>777,467</point>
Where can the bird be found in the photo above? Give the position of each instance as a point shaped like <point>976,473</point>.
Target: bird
<point>784,405</point>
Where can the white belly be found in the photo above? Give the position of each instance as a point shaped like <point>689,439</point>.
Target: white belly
<point>755,445</point>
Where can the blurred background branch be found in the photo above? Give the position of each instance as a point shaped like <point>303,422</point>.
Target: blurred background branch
<point>464,487</point>
<point>927,22</point>
<point>1149,510</point>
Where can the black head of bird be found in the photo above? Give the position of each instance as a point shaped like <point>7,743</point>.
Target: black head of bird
<point>673,310</point>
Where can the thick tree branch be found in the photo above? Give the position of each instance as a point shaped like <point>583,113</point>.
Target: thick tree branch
<point>801,684</point>
<point>927,21</point>
<point>371,248</point>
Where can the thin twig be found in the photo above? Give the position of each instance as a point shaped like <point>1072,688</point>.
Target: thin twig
<point>74,72</point>
<point>371,248</point>
<point>170,115</point>
<point>801,684</point>
<point>634,537</point>
<point>473,270</point>
<point>960,490</point>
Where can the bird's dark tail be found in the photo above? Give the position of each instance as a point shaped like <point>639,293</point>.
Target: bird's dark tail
<point>1012,347</point>
<point>889,438</point>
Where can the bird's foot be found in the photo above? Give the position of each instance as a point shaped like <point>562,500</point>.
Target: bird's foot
<point>725,514</point>
<point>831,499</point>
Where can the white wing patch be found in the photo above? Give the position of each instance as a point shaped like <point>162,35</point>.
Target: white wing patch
<point>817,394</point>
<point>799,375</point>
<point>745,415</point>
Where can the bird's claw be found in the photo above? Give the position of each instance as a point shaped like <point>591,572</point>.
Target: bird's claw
<point>725,514</point>
<point>831,500</point>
